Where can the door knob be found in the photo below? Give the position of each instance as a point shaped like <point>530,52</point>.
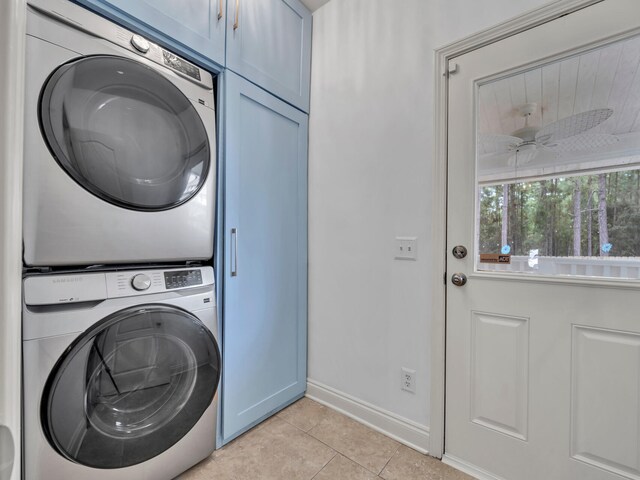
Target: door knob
<point>458,279</point>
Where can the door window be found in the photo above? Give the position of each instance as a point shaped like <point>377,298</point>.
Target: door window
<point>124,132</point>
<point>130,387</point>
<point>558,167</point>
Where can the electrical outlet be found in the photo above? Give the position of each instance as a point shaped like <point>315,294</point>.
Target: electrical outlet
<point>406,248</point>
<point>408,380</point>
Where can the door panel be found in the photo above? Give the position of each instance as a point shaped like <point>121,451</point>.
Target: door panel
<point>270,44</point>
<point>595,354</point>
<point>265,309</point>
<point>499,361</point>
<point>542,359</point>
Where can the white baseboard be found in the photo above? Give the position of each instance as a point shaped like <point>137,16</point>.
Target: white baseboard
<point>405,431</point>
<point>468,468</point>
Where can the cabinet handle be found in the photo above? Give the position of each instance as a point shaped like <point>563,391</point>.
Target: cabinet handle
<point>220,10</point>
<point>234,252</point>
<point>236,23</point>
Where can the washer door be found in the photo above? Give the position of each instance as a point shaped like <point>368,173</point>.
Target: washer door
<point>130,387</point>
<point>124,132</point>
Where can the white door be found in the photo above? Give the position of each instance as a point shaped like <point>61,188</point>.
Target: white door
<point>543,347</point>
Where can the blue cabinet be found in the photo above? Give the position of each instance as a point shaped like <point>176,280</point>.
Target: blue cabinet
<point>265,258</point>
<point>194,29</point>
<point>269,43</point>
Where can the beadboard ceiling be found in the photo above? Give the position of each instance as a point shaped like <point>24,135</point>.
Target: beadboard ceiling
<point>608,77</point>
<point>313,5</point>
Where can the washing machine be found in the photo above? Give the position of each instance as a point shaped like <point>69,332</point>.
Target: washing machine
<point>121,371</point>
<point>120,145</point>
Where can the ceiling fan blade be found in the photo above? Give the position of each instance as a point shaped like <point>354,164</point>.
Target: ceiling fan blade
<point>572,125</point>
<point>493,161</point>
<point>490,143</point>
<point>587,141</point>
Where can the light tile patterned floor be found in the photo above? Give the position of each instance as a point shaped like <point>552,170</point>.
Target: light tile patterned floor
<point>309,441</point>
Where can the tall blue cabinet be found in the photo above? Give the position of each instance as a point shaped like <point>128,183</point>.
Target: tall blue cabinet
<point>261,251</point>
<point>265,271</point>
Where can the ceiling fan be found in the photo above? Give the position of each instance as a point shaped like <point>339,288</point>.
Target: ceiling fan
<point>563,136</point>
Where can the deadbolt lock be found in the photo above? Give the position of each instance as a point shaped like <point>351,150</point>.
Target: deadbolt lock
<point>459,251</point>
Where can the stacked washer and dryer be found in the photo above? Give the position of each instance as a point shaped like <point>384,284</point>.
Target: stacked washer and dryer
<point>120,351</point>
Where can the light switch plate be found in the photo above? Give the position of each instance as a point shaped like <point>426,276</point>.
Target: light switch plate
<point>406,248</point>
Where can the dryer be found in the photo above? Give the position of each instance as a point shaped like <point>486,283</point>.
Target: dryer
<point>119,153</point>
<point>121,371</point>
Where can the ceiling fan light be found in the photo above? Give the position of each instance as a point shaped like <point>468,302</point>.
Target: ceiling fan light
<point>523,154</point>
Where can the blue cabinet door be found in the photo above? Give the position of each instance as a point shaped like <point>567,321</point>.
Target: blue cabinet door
<point>265,263</point>
<point>269,43</point>
<point>194,29</point>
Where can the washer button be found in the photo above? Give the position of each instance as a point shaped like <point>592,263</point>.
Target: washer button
<point>141,282</point>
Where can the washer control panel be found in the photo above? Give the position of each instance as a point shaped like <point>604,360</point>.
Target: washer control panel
<point>182,279</point>
<point>136,282</point>
<point>45,289</point>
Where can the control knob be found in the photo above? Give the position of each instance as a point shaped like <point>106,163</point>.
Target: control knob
<point>141,282</point>
<point>140,43</point>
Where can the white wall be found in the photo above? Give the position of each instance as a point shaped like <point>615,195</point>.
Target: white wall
<point>12,41</point>
<point>370,154</point>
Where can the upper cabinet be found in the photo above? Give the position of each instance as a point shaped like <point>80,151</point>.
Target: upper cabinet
<point>195,28</point>
<point>269,43</point>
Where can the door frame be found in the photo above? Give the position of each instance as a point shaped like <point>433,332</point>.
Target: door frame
<point>443,57</point>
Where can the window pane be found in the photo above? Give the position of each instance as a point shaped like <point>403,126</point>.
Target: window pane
<point>558,167</point>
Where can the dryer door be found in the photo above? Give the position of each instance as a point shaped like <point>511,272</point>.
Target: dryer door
<point>124,132</point>
<point>130,387</point>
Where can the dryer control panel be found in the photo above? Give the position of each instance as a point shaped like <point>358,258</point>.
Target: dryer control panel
<point>88,22</point>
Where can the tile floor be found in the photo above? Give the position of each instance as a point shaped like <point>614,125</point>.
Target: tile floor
<point>309,441</point>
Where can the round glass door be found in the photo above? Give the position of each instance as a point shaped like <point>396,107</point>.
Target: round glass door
<point>124,132</point>
<point>130,387</point>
